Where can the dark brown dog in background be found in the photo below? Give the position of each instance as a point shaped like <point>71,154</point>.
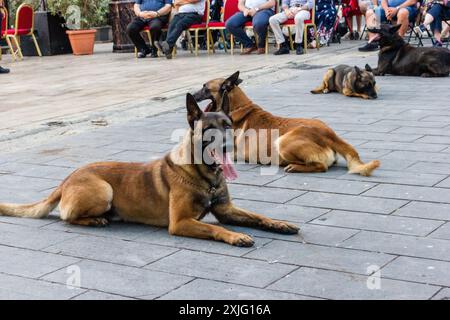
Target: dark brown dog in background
<point>173,192</point>
<point>303,145</point>
<point>350,81</point>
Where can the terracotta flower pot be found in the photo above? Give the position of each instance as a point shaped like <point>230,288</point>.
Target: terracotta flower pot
<point>82,41</point>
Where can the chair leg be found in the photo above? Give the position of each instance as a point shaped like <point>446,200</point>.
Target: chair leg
<point>291,42</point>
<point>196,42</point>
<point>189,40</point>
<point>11,48</point>
<point>267,43</point>
<point>36,44</point>
<point>222,34</point>
<point>18,52</point>
<point>305,40</point>
<point>211,39</point>
<point>232,44</point>
<point>316,36</point>
<point>208,41</point>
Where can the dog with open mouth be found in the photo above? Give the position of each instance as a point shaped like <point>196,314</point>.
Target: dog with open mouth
<point>176,191</point>
<point>399,58</point>
<point>302,145</point>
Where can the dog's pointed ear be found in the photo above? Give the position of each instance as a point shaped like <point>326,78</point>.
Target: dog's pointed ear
<point>357,69</point>
<point>368,68</point>
<point>194,113</point>
<point>231,81</point>
<point>225,106</point>
<point>395,28</point>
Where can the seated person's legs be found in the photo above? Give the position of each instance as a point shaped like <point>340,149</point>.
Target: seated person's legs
<point>156,26</point>
<point>404,15</point>
<point>300,18</point>
<point>373,17</point>
<point>275,22</point>
<point>134,32</point>
<point>179,23</point>
<point>235,26</point>
<point>260,24</point>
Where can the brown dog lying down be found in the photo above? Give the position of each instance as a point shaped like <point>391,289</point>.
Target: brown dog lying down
<point>304,145</point>
<point>350,81</point>
<point>170,192</point>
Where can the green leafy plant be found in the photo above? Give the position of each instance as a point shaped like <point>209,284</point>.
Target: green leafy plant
<point>93,13</point>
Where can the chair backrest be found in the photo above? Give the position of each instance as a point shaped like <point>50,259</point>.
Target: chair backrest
<point>25,17</point>
<point>4,25</point>
<point>206,13</point>
<point>230,7</point>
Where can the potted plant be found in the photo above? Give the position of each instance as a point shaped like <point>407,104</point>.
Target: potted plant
<point>81,16</point>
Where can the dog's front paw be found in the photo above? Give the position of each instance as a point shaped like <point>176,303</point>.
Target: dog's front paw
<point>285,227</point>
<point>241,240</point>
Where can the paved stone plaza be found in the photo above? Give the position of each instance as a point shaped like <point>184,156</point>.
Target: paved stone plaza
<point>396,223</point>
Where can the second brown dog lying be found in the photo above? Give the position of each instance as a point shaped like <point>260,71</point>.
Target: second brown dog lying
<point>350,81</point>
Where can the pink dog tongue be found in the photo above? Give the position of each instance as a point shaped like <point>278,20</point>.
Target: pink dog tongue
<point>227,167</point>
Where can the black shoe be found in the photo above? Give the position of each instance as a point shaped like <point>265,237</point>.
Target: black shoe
<point>154,53</point>
<point>166,49</point>
<point>372,46</point>
<point>355,35</point>
<point>143,53</point>
<point>4,70</point>
<point>284,49</point>
<point>299,49</point>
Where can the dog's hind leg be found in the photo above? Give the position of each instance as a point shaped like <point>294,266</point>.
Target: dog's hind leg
<point>325,86</point>
<point>85,203</point>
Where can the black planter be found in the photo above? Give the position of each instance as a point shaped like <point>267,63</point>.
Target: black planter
<point>50,31</point>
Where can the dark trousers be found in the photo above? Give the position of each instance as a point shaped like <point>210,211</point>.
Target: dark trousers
<point>135,27</point>
<point>260,21</point>
<point>179,23</point>
<point>439,11</point>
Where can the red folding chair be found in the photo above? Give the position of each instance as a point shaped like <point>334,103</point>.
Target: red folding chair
<point>230,7</point>
<point>24,27</point>
<point>3,29</point>
<point>308,23</point>
<point>202,26</point>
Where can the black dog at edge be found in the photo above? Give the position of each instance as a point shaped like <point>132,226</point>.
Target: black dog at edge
<point>396,57</point>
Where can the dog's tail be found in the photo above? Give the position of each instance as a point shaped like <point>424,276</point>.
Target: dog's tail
<point>36,210</point>
<point>354,163</point>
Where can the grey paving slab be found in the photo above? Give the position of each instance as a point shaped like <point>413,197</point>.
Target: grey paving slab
<point>119,230</point>
<point>338,285</point>
<point>379,222</point>
<point>419,270</point>
<point>111,250</point>
<point>442,233</point>
<point>417,156</point>
<point>422,247</point>
<point>122,280</point>
<point>201,289</point>
<point>424,131</point>
<point>256,178</point>
<point>435,139</point>
<point>426,210</point>
<point>309,233</point>
<point>397,177</point>
<point>262,193</point>
<point>410,193</point>
<point>423,147</point>
<point>97,295</point>
<point>19,288</point>
<point>222,268</point>
<point>348,202</point>
<point>288,212</point>
<point>36,171</point>
<point>410,123</point>
<point>9,181</point>
<point>299,182</point>
<point>444,184</point>
<point>444,294</point>
<point>430,167</point>
<point>383,136</point>
<point>319,256</point>
<point>163,238</point>
<point>30,237</point>
<point>31,264</point>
